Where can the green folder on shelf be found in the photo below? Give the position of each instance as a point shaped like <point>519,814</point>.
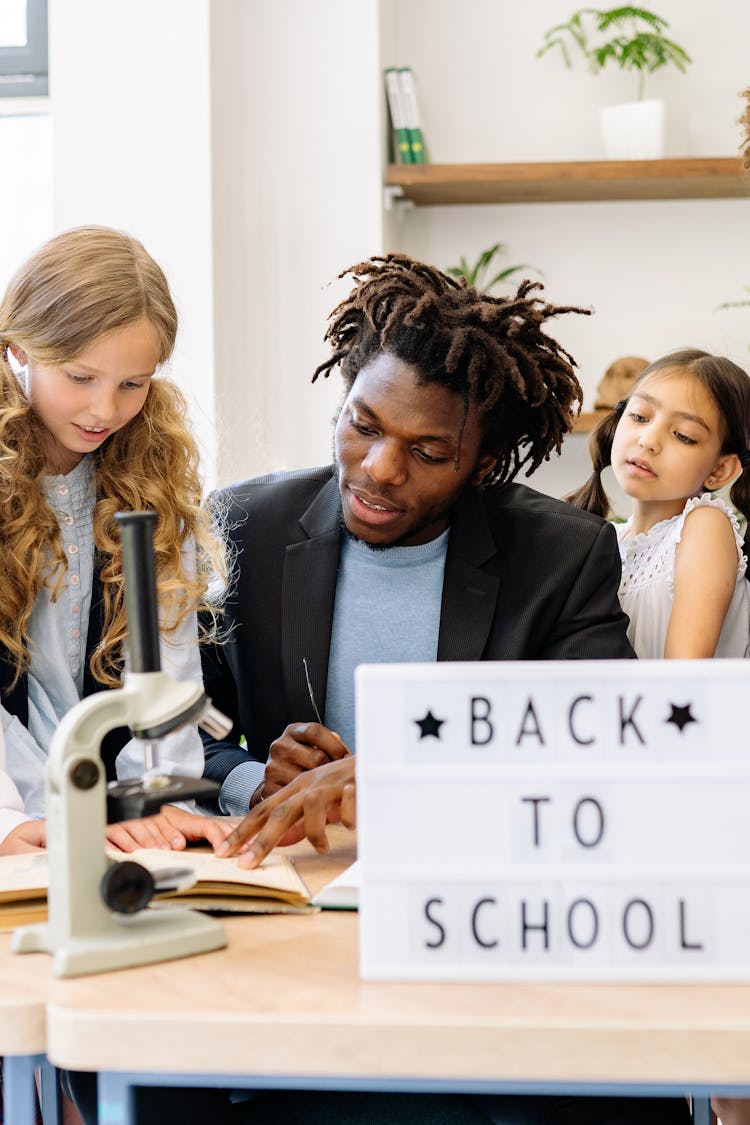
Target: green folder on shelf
<point>401,146</point>
<point>411,115</point>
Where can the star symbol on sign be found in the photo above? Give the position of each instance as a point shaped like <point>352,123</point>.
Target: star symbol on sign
<point>680,716</point>
<point>429,725</point>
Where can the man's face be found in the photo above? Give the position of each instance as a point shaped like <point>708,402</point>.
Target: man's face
<point>401,455</point>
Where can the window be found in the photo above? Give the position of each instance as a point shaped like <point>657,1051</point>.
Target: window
<point>23,48</point>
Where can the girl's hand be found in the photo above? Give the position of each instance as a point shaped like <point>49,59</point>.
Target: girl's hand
<point>31,836</point>
<point>171,829</point>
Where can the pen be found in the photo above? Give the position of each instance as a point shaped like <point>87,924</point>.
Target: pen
<point>310,692</point>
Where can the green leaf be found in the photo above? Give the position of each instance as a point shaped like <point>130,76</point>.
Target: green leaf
<point>475,275</point>
<point>616,16</point>
<point>505,274</point>
<point>638,43</point>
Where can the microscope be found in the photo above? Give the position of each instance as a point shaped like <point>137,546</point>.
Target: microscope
<point>97,918</point>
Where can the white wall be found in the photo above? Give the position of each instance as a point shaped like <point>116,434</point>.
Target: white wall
<point>654,273</point>
<point>239,142</point>
<point>26,194</point>
<point>243,141</point>
<point>486,97</point>
<point>297,175</point>
<point>132,149</point>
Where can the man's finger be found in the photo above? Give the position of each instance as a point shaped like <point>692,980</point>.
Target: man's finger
<point>248,827</point>
<point>349,806</point>
<point>316,735</point>
<point>317,809</point>
<point>276,826</point>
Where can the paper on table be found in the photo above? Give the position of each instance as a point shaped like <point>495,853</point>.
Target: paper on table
<point>342,893</point>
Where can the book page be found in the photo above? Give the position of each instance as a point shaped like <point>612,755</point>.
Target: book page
<point>27,876</point>
<point>23,876</point>
<point>342,893</point>
<point>276,877</point>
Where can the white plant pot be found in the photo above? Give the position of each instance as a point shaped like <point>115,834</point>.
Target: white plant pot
<point>633,130</point>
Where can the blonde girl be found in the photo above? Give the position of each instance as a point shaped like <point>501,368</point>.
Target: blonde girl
<point>682,434</point>
<point>88,428</point>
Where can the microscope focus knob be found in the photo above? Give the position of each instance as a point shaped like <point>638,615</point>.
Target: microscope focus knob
<point>127,887</point>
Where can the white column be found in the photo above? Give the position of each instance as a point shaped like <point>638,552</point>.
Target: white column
<point>241,143</point>
<point>130,94</point>
<point>297,190</point>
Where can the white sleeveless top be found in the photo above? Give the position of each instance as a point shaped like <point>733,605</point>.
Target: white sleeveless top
<point>647,584</point>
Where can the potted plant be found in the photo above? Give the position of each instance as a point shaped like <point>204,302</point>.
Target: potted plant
<point>476,274</point>
<point>634,40</point>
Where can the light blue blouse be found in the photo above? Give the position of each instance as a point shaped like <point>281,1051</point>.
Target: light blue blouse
<point>58,631</point>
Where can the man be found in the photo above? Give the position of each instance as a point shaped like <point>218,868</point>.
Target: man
<point>414,545</point>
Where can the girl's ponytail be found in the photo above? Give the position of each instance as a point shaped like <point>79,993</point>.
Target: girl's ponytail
<point>591,496</point>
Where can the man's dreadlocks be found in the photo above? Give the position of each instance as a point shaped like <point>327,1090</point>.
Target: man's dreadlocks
<point>490,350</point>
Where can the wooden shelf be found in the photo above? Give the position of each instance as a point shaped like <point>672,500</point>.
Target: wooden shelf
<point>721,177</point>
<point>587,419</point>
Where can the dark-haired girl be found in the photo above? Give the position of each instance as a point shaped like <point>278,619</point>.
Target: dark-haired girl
<point>682,434</point>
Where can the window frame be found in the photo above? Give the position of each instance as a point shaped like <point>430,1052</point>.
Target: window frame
<point>24,69</point>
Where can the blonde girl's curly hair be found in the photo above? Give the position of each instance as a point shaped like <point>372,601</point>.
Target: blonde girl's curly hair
<point>80,286</point>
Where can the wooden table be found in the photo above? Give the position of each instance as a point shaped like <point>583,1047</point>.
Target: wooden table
<point>284,1005</point>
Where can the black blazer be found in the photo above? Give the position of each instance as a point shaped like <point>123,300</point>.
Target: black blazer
<point>526,578</point>
<point>16,699</point>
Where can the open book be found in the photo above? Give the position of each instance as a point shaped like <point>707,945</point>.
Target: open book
<point>208,883</point>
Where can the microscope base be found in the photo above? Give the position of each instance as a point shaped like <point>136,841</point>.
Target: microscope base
<point>159,934</point>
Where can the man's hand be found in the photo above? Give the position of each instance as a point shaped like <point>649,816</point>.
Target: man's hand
<point>171,828</point>
<point>31,836</point>
<point>302,747</point>
<point>324,795</point>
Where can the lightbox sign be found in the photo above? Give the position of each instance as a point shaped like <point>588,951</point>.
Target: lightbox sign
<point>571,820</point>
